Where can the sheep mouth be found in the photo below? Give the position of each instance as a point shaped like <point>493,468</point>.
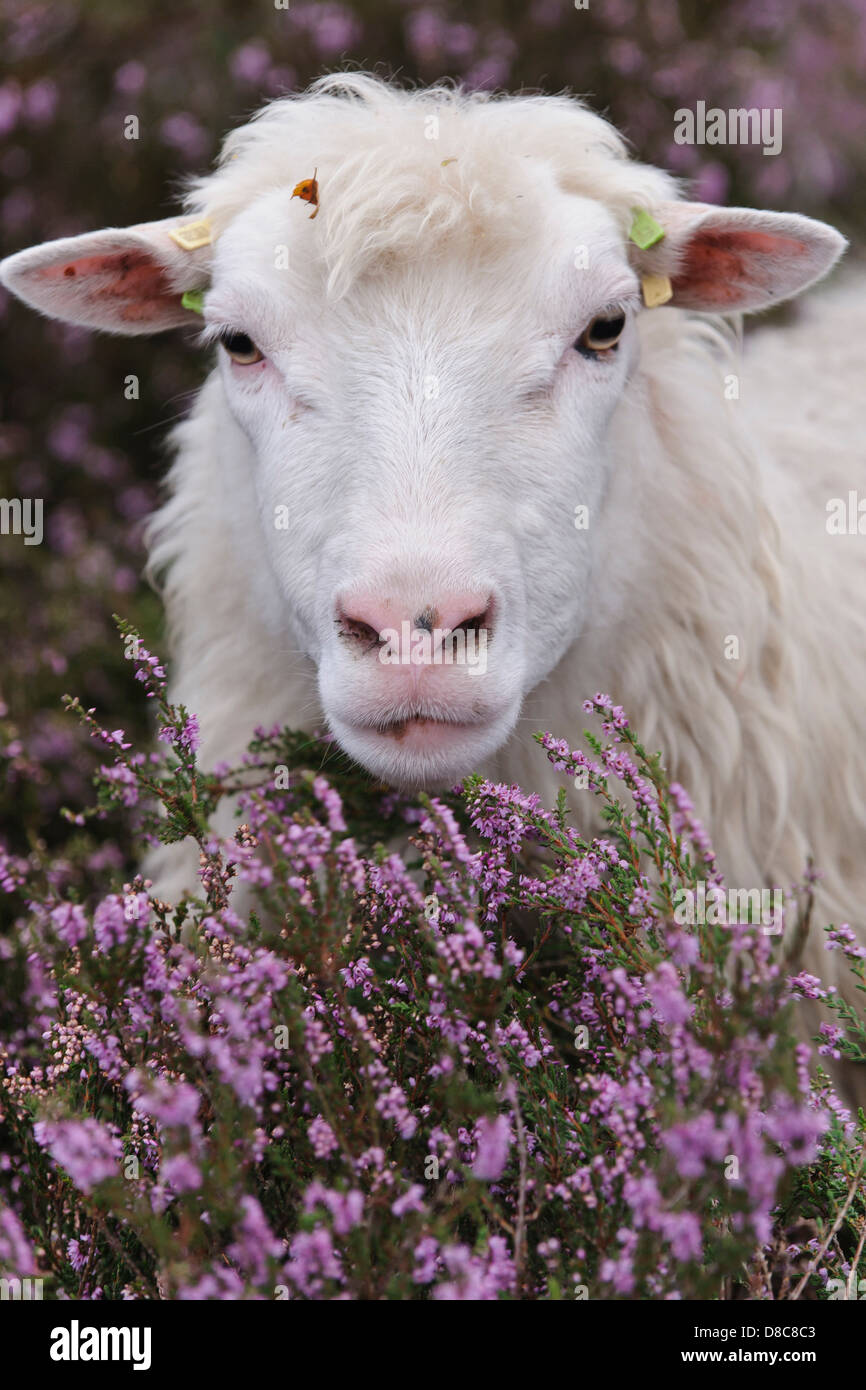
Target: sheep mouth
<point>424,745</point>
<point>397,728</point>
<point>404,719</point>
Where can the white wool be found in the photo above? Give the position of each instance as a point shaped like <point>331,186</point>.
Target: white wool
<point>718,528</point>
<point>391,189</point>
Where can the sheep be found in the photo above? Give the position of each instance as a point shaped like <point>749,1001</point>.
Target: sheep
<point>443,405</point>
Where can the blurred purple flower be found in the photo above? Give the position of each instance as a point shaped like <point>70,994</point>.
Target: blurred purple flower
<point>10,105</point>
<point>184,133</point>
<point>130,78</point>
<point>180,1173</point>
<point>251,62</point>
<point>493,1140</point>
<point>86,1149</point>
<point>40,101</point>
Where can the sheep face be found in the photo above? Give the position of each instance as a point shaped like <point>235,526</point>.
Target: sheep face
<point>418,448</point>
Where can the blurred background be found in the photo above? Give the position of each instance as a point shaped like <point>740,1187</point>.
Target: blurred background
<point>72,72</point>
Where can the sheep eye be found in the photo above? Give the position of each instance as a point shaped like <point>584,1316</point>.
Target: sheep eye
<point>602,334</point>
<point>241,349</point>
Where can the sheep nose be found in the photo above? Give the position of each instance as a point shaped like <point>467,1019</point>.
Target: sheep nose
<point>366,621</point>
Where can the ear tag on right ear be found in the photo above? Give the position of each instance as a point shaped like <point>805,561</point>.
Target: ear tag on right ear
<point>656,289</point>
<point>193,235</point>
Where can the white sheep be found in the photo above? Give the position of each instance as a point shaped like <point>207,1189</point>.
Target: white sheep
<point>441,403</point>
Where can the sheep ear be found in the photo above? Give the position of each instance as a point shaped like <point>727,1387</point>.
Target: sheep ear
<point>727,260</point>
<point>125,280</point>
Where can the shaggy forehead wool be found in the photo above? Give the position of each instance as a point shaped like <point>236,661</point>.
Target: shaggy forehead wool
<point>398,171</point>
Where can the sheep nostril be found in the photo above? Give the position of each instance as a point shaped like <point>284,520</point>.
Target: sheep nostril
<point>353,630</point>
<point>476,624</point>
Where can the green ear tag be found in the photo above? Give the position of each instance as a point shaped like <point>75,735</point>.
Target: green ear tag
<point>194,300</point>
<point>644,230</point>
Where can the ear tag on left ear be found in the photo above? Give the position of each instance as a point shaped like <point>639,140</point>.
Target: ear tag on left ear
<point>644,230</point>
<point>193,235</point>
<point>194,300</point>
<point>656,289</point>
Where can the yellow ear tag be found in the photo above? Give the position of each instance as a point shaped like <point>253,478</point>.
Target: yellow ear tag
<point>193,235</point>
<point>657,290</point>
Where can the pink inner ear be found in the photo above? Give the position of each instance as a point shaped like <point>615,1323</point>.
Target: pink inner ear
<point>133,279</point>
<point>720,266</point>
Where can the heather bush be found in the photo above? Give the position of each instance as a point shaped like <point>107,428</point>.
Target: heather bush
<point>440,1047</point>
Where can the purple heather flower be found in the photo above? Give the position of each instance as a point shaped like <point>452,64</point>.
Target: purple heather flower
<point>493,1141</point>
<point>88,1151</point>
<point>426,1257</point>
<point>180,1173</point>
<point>71,923</point>
<point>322,1137</point>
<point>16,1252</point>
<point>412,1200</point>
